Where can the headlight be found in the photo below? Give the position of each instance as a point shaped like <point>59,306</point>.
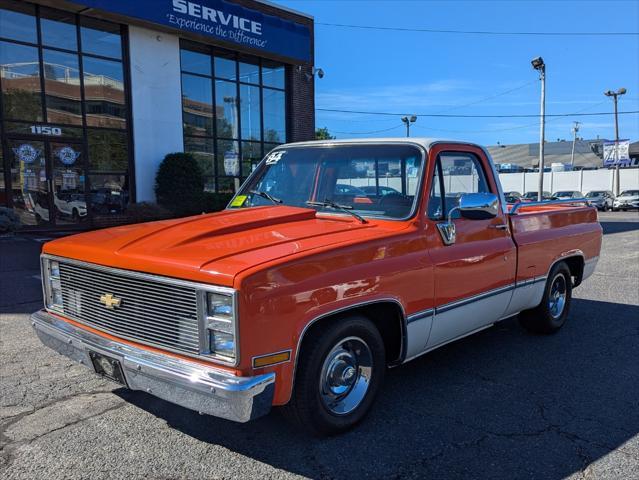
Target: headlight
<point>221,324</point>
<point>51,284</point>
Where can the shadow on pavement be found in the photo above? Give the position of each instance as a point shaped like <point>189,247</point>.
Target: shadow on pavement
<point>501,403</point>
<point>619,227</point>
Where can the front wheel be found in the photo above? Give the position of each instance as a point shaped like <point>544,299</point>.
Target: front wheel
<point>340,371</point>
<point>550,315</point>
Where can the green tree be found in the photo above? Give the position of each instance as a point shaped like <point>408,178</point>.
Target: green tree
<point>323,134</point>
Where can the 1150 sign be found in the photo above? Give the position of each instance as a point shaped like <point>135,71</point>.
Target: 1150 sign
<point>45,130</point>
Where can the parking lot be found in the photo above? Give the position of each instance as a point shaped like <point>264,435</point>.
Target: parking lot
<point>500,404</point>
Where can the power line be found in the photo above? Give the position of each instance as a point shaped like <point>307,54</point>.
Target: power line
<point>506,129</point>
<point>444,115</point>
<point>506,92</point>
<point>371,132</point>
<point>475,32</point>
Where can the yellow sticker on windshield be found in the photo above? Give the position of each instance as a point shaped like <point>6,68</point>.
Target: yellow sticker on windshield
<point>238,201</point>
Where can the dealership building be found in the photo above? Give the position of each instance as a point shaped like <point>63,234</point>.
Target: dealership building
<point>96,92</point>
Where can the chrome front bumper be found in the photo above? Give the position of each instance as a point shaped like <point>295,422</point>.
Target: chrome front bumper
<point>188,384</point>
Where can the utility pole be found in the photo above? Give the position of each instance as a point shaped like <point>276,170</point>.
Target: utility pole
<point>614,95</point>
<point>539,65</point>
<point>408,120</point>
<point>575,129</point>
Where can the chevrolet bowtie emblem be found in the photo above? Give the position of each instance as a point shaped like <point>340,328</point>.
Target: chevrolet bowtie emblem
<point>109,301</point>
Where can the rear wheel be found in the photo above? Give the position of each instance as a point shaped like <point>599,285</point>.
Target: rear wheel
<point>550,315</point>
<point>340,371</point>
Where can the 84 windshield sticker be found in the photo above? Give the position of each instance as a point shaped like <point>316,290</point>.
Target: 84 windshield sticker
<point>275,157</point>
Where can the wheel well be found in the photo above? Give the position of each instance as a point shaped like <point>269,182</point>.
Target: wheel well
<point>576,266</point>
<point>388,317</point>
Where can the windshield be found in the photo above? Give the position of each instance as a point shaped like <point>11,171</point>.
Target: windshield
<point>369,180</point>
<point>629,193</point>
<point>594,194</point>
<point>563,194</point>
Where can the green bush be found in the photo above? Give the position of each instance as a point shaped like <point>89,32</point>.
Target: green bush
<point>179,184</point>
<point>9,221</point>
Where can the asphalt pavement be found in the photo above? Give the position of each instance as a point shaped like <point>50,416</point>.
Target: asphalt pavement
<point>499,404</point>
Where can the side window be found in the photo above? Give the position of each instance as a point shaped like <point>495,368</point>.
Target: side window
<point>454,175</point>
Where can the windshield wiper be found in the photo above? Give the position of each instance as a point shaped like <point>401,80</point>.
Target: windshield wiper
<point>336,206</point>
<point>266,195</point>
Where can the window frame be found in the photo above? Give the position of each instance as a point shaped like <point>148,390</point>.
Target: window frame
<point>264,147</point>
<point>44,12</point>
<point>438,171</point>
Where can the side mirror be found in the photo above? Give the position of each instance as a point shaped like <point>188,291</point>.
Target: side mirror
<point>478,206</point>
<point>473,206</point>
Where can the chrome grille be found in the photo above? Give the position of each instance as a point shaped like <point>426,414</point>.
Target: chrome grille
<point>150,311</point>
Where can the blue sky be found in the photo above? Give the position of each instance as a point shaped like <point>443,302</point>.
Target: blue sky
<point>390,71</point>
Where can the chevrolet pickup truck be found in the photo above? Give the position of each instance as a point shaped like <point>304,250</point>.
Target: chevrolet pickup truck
<point>301,293</point>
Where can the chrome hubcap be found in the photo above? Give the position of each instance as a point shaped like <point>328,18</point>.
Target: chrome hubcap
<point>557,297</point>
<point>346,375</point>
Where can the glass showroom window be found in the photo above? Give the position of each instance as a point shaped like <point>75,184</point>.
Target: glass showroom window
<point>63,84</point>
<point>233,110</point>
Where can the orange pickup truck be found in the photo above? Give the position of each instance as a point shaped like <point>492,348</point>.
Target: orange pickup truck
<point>334,261</point>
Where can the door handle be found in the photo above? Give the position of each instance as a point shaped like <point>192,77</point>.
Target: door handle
<point>501,226</point>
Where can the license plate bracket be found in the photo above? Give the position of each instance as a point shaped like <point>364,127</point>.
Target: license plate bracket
<point>107,367</point>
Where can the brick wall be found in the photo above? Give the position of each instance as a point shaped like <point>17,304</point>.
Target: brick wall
<point>301,104</point>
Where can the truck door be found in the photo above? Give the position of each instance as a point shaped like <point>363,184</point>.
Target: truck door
<point>474,276</point>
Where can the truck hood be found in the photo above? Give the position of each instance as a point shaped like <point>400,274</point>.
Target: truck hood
<point>211,248</point>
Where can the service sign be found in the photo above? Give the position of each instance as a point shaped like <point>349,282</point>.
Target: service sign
<point>221,20</point>
<point>616,156</point>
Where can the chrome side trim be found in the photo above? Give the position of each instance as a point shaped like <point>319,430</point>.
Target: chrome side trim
<point>465,301</point>
<point>201,290</point>
<point>518,205</point>
<point>191,385</point>
<point>420,315</point>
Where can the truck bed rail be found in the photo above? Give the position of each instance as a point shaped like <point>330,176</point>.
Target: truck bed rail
<point>518,205</point>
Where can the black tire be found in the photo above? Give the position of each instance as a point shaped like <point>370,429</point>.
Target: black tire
<point>75,215</point>
<point>541,318</point>
<point>308,408</point>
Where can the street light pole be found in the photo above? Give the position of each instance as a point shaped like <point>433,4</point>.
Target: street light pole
<point>575,129</point>
<point>408,120</point>
<point>614,96</point>
<point>539,65</point>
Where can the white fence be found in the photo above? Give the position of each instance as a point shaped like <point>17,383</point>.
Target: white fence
<point>583,181</point>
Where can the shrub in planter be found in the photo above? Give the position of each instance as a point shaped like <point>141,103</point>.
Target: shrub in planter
<point>9,220</point>
<point>179,184</point>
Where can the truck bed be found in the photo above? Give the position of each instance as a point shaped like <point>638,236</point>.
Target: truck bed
<point>540,231</point>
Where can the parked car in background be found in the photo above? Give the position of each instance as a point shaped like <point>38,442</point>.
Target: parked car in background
<point>379,191</point>
<point>71,204</point>
<point>512,197</point>
<point>532,196</point>
<point>298,296</point>
<point>349,190</point>
<point>626,200</point>
<point>567,194</point>
<point>602,199</point>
